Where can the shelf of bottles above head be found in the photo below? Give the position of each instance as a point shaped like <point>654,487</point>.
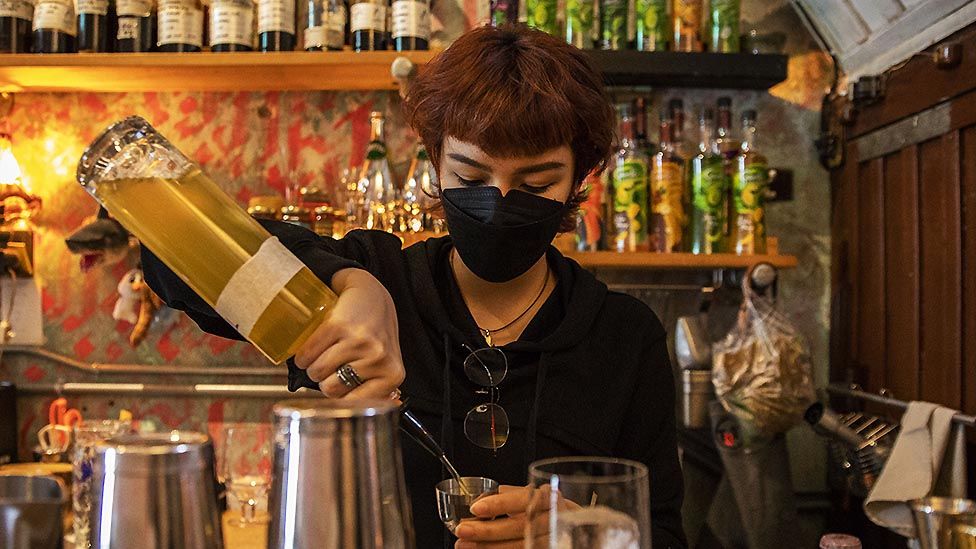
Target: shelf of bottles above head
<point>212,45</point>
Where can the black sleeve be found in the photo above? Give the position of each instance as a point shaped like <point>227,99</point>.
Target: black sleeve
<point>323,256</point>
<point>650,437</point>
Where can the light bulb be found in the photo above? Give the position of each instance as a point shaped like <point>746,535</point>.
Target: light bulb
<point>10,173</point>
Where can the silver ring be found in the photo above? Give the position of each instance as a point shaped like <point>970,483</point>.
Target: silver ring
<point>396,394</point>
<point>348,376</point>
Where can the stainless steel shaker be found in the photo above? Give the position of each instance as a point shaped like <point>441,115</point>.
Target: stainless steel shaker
<point>338,477</point>
<point>30,512</point>
<point>155,491</point>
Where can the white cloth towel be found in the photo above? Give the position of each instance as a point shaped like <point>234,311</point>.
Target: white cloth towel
<point>928,458</point>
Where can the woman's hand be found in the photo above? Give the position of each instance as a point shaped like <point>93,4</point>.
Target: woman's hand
<point>361,331</point>
<point>503,521</point>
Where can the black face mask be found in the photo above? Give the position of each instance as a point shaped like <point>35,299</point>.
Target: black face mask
<point>498,237</point>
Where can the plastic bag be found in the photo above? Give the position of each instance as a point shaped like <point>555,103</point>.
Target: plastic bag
<point>761,370</point>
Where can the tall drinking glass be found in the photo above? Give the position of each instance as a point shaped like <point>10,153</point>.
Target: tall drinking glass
<point>86,434</point>
<point>205,237</point>
<point>246,469</point>
<point>588,503</point>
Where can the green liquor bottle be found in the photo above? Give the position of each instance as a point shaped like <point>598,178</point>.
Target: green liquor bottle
<point>630,189</point>
<point>614,24</point>
<point>541,14</point>
<point>750,181</point>
<point>582,23</point>
<point>723,26</point>
<point>667,193</point>
<point>709,184</point>
<point>653,25</point>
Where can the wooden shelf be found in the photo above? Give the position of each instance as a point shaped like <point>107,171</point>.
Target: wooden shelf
<point>309,71</point>
<point>691,70</point>
<point>246,71</point>
<point>677,261</point>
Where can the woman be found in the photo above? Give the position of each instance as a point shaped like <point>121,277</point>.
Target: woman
<point>492,325</point>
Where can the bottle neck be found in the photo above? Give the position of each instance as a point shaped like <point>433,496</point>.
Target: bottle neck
<point>748,134</point>
<point>724,123</point>
<point>627,133</point>
<point>667,135</point>
<point>376,129</point>
<point>706,141</point>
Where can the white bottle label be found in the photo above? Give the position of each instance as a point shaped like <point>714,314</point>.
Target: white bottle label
<point>56,15</point>
<point>368,16</point>
<point>133,8</point>
<point>21,9</point>
<point>232,22</point>
<point>180,23</point>
<point>411,18</point>
<point>94,7</point>
<point>128,29</point>
<point>314,37</point>
<point>276,15</point>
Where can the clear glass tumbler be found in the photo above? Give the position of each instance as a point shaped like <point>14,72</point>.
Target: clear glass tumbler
<point>86,434</point>
<point>246,469</point>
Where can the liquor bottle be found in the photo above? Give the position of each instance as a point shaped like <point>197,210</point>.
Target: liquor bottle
<point>641,134</point>
<point>15,25</point>
<point>687,25</point>
<point>54,26</point>
<point>411,25</point>
<point>723,26</point>
<point>710,184</point>
<point>231,25</point>
<point>614,24</point>
<point>418,196</point>
<point>589,227</point>
<point>502,12</point>
<point>376,182</point>
<point>676,112</point>
<point>653,25</point>
<point>667,193</point>
<point>728,147</point>
<point>180,25</point>
<point>326,25</point>
<point>368,24</point>
<point>276,25</point>
<point>630,191</point>
<point>541,14</point>
<point>751,183</point>
<point>135,28</point>
<point>93,24</point>
<point>581,22</point>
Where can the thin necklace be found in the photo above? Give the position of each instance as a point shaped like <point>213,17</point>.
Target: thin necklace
<point>485,332</point>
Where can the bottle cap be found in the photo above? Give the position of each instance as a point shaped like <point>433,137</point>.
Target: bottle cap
<point>725,102</point>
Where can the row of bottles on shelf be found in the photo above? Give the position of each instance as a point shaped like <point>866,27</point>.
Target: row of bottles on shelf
<point>367,197</point>
<point>646,25</point>
<point>69,26</point>
<point>673,197</point>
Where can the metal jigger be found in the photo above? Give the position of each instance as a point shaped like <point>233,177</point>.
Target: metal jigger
<point>454,504</point>
<point>936,517</point>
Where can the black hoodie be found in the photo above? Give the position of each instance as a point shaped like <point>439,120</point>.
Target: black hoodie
<point>590,376</point>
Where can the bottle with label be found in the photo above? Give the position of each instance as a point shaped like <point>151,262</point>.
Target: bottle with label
<point>367,21</point>
<point>630,191</point>
<point>687,25</point>
<point>180,25</point>
<point>614,24</point>
<point>723,26</point>
<point>15,25</point>
<point>276,25</point>
<point>326,25</point>
<point>581,23</point>
<point>541,14</point>
<point>231,25</point>
<point>376,182</point>
<point>728,147</point>
<point>94,17</point>
<point>411,25</point>
<point>135,28</point>
<point>667,193</point>
<point>54,27</point>
<point>709,183</point>
<point>750,181</point>
<point>653,25</point>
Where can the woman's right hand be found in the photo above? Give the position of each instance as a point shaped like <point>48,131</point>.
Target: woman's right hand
<point>361,331</point>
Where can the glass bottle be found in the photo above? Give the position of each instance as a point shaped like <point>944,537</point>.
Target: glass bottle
<point>676,112</point>
<point>276,25</point>
<point>15,25</point>
<point>205,237</point>
<point>135,27</point>
<point>368,24</point>
<point>418,195</point>
<point>751,183</point>
<point>728,146</point>
<point>723,26</point>
<point>411,25</point>
<point>630,188</point>
<point>501,12</point>
<point>614,24</point>
<point>231,25</point>
<point>376,182</point>
<point>642,136</point>
<point>653,25</point>
<point>541,14</point>
<point>667,193</point>
<point>54,27</point>
<point>687,25</point>
<point>581,22</point>
<point>710,184</point>
<point>589,227</point>
<point>93,24</point>
<point>325,27</point>
<point>180,25</point>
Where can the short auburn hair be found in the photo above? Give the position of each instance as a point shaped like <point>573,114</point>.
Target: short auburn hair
<point>515,91</point>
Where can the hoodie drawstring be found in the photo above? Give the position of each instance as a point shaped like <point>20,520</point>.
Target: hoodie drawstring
<point>530,435</point>
<point>447,425</point>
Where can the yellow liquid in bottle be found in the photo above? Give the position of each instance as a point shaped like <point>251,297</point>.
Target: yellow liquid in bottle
<point>205,237</point>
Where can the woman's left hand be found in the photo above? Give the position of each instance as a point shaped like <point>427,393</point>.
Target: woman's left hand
<point>504,532</point>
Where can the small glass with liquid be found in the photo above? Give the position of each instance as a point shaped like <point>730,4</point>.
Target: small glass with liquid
<point>205,237</point>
